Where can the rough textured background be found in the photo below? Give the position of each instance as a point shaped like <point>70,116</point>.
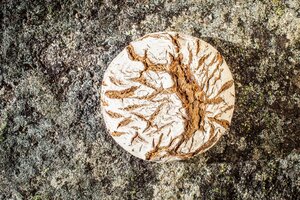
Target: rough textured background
<point>53,144</point>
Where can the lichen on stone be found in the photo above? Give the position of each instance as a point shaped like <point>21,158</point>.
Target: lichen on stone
<point>54,54</point>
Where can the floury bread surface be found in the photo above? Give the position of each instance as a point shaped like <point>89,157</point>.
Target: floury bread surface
<point>167,96</point>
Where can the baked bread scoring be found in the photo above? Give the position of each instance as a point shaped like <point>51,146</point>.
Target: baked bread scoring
<point>167,96</point>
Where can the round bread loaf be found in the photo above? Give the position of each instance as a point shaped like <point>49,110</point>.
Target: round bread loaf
<point>167,96</point>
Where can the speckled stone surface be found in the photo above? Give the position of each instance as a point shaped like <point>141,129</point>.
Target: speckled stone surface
<point>53,143</point>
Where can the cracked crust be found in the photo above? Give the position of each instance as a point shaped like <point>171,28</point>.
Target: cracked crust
<point>168,96</point>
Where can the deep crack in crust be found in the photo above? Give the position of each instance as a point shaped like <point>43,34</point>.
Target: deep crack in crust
<point>195,99</point>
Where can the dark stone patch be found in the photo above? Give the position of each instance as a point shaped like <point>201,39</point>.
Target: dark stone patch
<point>143,176</point>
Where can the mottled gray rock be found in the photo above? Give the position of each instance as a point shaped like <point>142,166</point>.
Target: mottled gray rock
<point>53,143</point>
